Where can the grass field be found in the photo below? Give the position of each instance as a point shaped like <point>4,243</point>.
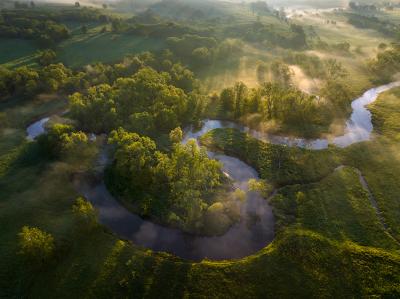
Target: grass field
<point>83,49</point>
<point>80,49</point>
<point>17,52</point>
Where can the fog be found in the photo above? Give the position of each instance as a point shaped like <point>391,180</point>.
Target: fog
<point>301,4</point>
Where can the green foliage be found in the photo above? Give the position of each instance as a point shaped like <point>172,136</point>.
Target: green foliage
<point>372,22</point>
<point>385,64</point>
<point>312,65</point>
<point>200,52</point>
<point>175,187</point>
<point>35,244</point>
<point>294,110</point>
<point>176,135</point>
<point>146,103</point>
<point>386,114</point>
<point>46,32</point>
<point>293,36</point>
<point>24,81</point>
<point>85,212</point>
<point>260,186</point>
<point>47,57</point>
<point>281,73</point>
<point>278,164</point>
<point>133,160</point>
<point>338,94</point>
<point>62,141</point>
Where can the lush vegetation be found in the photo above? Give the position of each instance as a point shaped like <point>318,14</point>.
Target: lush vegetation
<point>277,107</point>
<point>330,240</point>
<point>372,22</point>
<point>182,188</point>
<point>386,64</point>
<point>46,32</point>
<point>146,103</point>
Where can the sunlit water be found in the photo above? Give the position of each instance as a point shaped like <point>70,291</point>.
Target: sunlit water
<point>255,229</point>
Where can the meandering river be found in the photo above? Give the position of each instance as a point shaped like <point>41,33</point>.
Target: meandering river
<point>254,231</point>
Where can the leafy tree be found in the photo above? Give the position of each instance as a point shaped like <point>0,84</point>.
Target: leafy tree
<point>171,186</point>
<point>36,244</point>
<point>176,135</point>
<point>145,102</point>
<point>182,77</point>
<point>54,77</point>
<point>62,141</point>
<point>338,94</point>
<point>85,212</point>
<point>227,99</point>
<point>96,110</point>
<point>47,57</point>
<point>281,73</point>
<point>335,70</point>
<point>241,93</point>
<point>261,70</point>
<point>133,159</point>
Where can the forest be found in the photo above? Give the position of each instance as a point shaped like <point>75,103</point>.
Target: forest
<point>199,149</point>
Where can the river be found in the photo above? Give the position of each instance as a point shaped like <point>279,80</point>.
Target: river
<point>255,230</point>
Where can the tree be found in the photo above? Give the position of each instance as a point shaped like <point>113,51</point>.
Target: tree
<point>36,244</point>
<point>47,57</point>
<point>261,70</point>
<point>281,73</point>
<point>77,4</point>
<point>62,141</point>
<point>54,77</point>
<point>85,212</point>
<point>133,159</point>
<point>176,135</point>
<point>240,97</point>
<point>227,99</point>
<point>335,70</point>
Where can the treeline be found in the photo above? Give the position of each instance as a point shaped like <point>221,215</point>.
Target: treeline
<point>198,51</point>
<point>293,110</point>
<point>146,103</point>
<point>372,22</point>
<point>178,188</point>
<point>315,67</point>
<point>312,65</point>
<point>25,81</point>
<point>386,64</point>
<point>46,28</point>
<point>45,32</point>
<point>161,29</point>
<point>293,37</point>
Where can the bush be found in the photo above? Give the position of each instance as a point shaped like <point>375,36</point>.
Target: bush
<point>35,243</point>
<point>85,212</point>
